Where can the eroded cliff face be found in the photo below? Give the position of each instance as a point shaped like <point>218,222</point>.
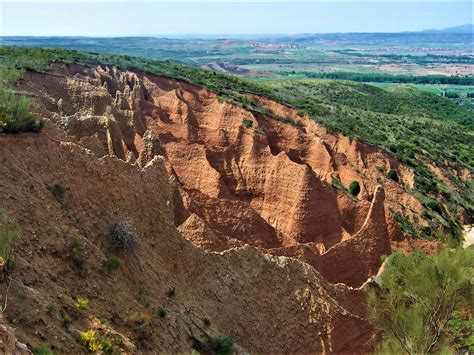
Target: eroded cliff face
<point>269,186</point>
<point>244,223</point>
<point>269,304</point>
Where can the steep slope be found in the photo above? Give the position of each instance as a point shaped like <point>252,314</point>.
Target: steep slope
<point>270,186</point>
<point>269,304</point>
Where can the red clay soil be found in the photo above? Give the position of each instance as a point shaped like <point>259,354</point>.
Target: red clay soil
<point>177,162</point>
<point>269,304</point>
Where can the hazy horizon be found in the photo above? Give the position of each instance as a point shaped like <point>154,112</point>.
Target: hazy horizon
<point>180,19</point>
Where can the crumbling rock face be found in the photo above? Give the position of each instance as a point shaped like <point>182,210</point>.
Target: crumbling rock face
<point>269,304</point>
<point>269,186</point>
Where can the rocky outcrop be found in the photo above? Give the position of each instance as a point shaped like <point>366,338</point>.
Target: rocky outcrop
<point>150,148</point>
<point>349,261</point>
<point>195,230</point>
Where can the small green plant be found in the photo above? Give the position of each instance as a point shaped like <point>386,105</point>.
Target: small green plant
<point>74,251</point>
<point>354,188</point>
<point>76,242</point>
<point>81,303</point>
<point>8,234</point>
<point>336,183</point>
<point>113,263</point>
<point>160,312</point>
<point>52,308</point>
<point>393,175</point>
<point>404,223</point>
<point>170,292</point>
<point>206,322</point>
<point>123,237</point>
<point>221,345</point>
<point>66,319</point>
<point>247,123</point>
<point>103,320</point>
<point>434,206</point>
<point>57,190</point>
<point>43,350</point>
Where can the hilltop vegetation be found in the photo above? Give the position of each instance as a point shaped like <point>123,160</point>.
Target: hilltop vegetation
<point>419,128</point>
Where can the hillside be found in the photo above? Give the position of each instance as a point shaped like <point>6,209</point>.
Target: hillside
<point>241,197</point>
<point>393,119</point>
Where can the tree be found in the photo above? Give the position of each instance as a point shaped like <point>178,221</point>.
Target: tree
<point>392,174</point>
<point>417,297</point>
<point>354,188</point>
<point>247,123</point>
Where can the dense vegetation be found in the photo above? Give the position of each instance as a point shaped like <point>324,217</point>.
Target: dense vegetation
<point>419,128</point>
<point>391,78</point>
<point>423,304</point>
<point>15,110</point>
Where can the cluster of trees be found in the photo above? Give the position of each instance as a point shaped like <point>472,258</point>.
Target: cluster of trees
<point>391,78</point>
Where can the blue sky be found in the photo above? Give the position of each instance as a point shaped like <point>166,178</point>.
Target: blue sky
<point>109,18</point>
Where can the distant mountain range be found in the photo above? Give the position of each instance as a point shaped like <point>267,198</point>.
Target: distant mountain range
<point>467,28</point>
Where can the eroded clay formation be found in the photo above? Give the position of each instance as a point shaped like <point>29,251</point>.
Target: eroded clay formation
<point>268,186</point>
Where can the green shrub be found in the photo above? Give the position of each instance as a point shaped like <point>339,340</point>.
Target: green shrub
<point>336,183</point>
<point>15,115</point>
<point>354,188</point>
<point>392,174</point>
<point>170,292</point>
<point>43,350</point>
<point>57,190</point>
<point>206,322</point>
<point>160,312</point>
<point>66,319</point>
<point>52,308</point>
<point>8,234</point>
<point>417,297</point>
<point>434,206</point>
<point>247,123</point>
<point>113,263</point>
<point>74,251</point>
<point>404,223</point>
<point>76,242</point>
<point>123,237</point>
<point>221,345</point>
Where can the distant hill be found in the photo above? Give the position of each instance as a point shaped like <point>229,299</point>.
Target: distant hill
<point>467,28</point>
